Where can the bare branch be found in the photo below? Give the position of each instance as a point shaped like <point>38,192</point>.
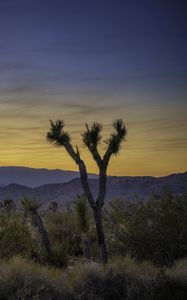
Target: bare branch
<point>59,138</point>
<point>78,152</point>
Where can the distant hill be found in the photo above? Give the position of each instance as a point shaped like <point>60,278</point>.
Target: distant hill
<point>35,177</point>
<point>127,188</point>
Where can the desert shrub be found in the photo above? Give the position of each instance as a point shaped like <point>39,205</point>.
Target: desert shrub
<point>122,278</point>
<point>59,257</point>
<point>22,279</point>
<point>102,285</point>
<point>140,277</point>
<point>14,239</point>
<point>60,254</point>
<point>178,271</point>
<point>172,283</point>
<point>62,229</point>
<point>116,217</point>
<point>155,230</point>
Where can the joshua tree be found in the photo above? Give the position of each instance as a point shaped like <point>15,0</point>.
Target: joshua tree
<point>53,206</point>
<point>83,223</point>
<point>92,138</point>
<point>31,210</point>
<point>7,206</point>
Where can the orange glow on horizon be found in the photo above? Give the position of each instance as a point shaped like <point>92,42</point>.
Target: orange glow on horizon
<point>153,147</point>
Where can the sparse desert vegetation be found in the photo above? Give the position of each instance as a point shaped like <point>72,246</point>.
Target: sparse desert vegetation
<point>85,250</point>
<point>146,245</point>
<point>93,165</point>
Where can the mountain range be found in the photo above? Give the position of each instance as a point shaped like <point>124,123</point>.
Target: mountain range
<point>35,177</point>
<point>127,188</point>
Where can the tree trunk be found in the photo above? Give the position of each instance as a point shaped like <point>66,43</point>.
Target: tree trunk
<point>96,206</point>
<point>43,233</point>
<point>86,246</point>
<point>100,235</point>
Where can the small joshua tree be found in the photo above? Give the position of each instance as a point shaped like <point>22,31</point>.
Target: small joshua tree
<point>7,206</point>
<point>53,206</point>
<point>31,210</point>
<point>92,138</point>
<point>81,209</point>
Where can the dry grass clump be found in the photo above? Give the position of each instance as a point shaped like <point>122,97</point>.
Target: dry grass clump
<point>178,271</point>
<point>23,279</point>
<point>121,279</point>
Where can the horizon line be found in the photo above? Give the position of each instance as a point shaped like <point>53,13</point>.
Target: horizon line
<point>90,173</point>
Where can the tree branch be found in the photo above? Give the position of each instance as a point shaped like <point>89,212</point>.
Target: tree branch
<point>84,181</point>
<point>96,156</point>
<point>75,156</point>
<point>102,187</point>
<point>83,173</point>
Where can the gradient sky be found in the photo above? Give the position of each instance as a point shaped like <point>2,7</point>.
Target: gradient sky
<point>94,60</point>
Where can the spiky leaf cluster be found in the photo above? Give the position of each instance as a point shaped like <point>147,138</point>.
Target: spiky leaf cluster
<point>82,213</point>
<point>30,205</point>
<point>92,136</point>
<point>116,138</point>
<point>120,128</point>
<point>57,135</point>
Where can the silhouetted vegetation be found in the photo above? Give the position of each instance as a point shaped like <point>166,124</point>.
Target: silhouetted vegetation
<point>92,138</point>
<point>83,224</point>
<point>31,211</point>
<point>146,243</point>
<point>53,206</point>
<point>7,206</point>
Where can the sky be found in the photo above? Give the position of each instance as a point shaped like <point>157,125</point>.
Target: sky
<point>84,61</point>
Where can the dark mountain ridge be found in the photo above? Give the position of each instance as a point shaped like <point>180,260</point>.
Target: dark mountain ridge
<point>127,188</point>
<point>35,177</point>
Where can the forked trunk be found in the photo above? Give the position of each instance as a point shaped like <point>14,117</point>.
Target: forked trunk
<point>100,235</point>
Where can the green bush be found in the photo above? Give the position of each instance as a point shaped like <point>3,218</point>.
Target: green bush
<point>14,239</point>
<point>155,230</point>
<point>62,229</point>
<point>61,257</point>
